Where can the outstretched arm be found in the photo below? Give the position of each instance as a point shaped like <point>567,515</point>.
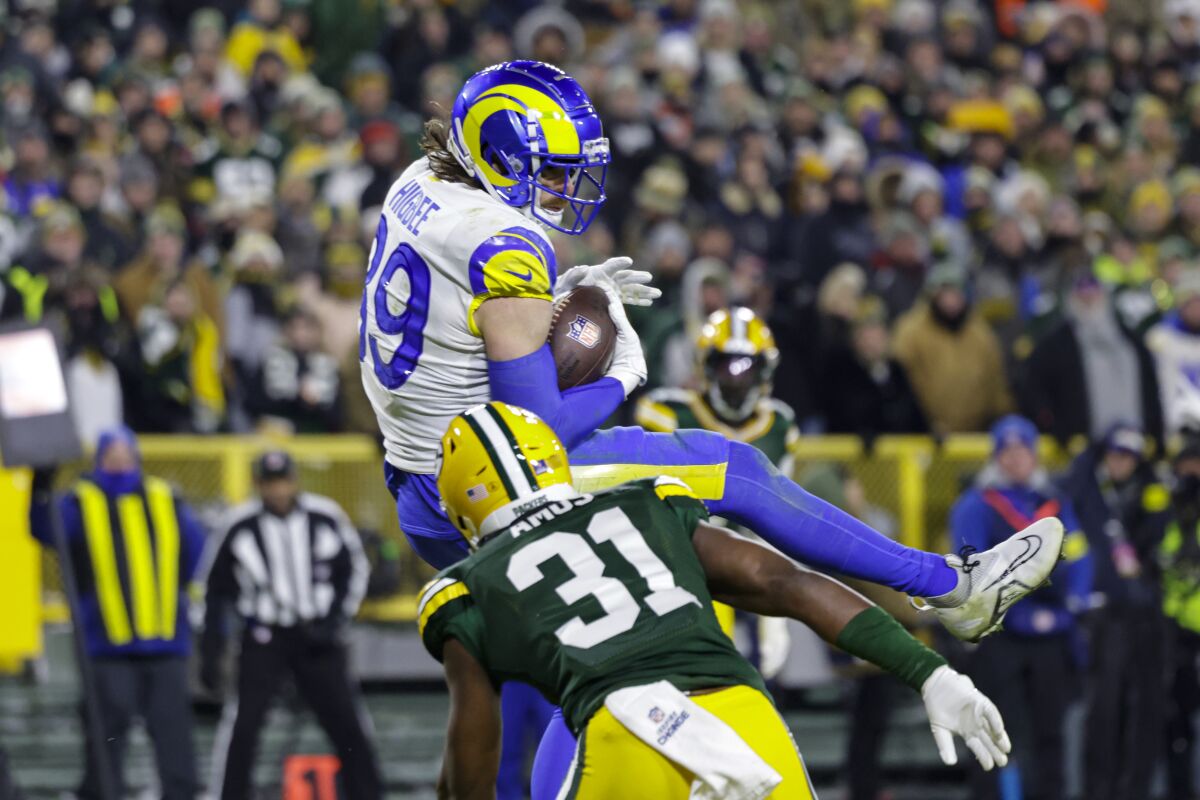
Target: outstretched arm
<point>472,757</point>
<point>521,369</point>
<point>755,578</point>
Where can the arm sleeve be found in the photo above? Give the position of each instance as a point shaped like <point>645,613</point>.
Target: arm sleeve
<point>351,587</point>
<point>532,382</point>
<point>447,611</point>
<point>220,590</point>
<point>192,534</point>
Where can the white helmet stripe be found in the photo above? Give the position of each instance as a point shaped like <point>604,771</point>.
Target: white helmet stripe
<point>504,451</point>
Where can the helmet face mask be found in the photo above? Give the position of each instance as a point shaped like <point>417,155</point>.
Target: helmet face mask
<point>736,383</point>
<point>513,122</point>
<point>738,357</point>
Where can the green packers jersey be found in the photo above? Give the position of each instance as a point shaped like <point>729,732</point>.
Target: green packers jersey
<point>771,428</point>
<point>589,595</point>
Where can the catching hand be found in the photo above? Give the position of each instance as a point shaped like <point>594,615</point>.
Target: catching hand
<point>632,285</point>
<point>955,706</point>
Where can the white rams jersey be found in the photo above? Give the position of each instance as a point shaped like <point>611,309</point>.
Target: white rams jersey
<point>440,250</point>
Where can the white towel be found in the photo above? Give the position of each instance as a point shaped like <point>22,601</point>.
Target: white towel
<point>697,740</point>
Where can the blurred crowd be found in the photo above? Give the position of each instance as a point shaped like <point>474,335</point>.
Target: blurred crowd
<point>948,211</point>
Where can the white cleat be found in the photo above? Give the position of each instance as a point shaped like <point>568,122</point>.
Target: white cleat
<point>999,577</point>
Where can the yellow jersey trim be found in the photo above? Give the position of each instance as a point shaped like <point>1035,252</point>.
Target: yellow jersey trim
<point>431,604</point>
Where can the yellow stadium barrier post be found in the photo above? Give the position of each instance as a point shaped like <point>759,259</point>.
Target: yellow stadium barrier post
<point>912,455</point>
<point>20,575</point>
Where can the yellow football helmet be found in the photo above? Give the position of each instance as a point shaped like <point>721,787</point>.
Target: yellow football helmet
<point>496,462</point>
<point>737,356</point>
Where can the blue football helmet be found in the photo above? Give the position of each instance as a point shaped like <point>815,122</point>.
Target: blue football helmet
<point>519,125</point>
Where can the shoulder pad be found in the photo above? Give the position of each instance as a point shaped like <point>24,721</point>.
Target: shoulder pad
<point>671,394</point>
<point>781,408</point>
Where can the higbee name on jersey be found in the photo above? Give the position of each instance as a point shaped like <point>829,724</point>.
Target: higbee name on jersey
<point>440,250</point>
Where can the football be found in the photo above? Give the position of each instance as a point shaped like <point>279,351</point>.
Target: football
<point>582,336</point>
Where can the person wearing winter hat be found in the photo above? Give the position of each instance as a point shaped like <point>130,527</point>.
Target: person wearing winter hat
<point>138,544</point>
<point>1025,665</point>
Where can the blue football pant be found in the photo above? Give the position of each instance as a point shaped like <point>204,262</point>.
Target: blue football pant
<point>735,480</point>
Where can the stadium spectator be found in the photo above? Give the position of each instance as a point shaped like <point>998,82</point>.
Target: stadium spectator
<point>1028,667</point>
<point>298,386</point>
<point>952,357</point>
<point>180,390</point>
<point>104,244</point>
<point>121,527</point>
<point>97,356</point>
<point>1089,373</point>
<point>1180,559</point>
<point>307,577</point>
<point>252,313</point>
<point>1175,343</point>
<point>162,261</point>
<point>1123,510</point>
<point>865,389</point>
<point>30,182</point>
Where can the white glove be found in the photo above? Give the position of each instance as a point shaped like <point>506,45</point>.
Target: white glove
<point>955,706</point>
<point>632,285</point>
<point>774,644</point>
<point>628,362</point>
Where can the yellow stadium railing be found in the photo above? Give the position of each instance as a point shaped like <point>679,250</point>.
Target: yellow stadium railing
<point>913,478</point>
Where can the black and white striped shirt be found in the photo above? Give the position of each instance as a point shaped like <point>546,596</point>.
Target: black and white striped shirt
<point>287,570</point>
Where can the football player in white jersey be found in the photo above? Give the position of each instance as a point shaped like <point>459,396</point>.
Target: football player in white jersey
<point>457,308</point>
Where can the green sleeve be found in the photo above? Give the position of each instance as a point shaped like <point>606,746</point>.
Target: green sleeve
<point>876,637</point>
<point>447,611</point>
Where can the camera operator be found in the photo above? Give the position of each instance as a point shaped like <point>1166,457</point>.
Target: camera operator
<point>1180,558</point>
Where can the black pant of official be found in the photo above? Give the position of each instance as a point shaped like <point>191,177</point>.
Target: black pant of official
<point>874,699</point>
<point>1031,681</point>
<point>1125,703</point>
<point>1182,703</point>
<point>155,689</point>
<point>324,682</point>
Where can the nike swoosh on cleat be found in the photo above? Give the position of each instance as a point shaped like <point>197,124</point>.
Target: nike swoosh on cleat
<point>1033,544</point>
<point>524,277</point>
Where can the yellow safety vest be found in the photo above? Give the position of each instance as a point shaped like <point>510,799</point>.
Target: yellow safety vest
<point>153,587</point>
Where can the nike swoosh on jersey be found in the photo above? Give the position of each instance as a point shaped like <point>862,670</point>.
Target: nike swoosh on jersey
<point>526,276</point>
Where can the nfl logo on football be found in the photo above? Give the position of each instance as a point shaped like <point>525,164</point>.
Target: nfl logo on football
<point>584,331</point>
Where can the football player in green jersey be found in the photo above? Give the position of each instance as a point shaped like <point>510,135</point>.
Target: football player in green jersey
<point>603,602</point>
<point>736,359</point>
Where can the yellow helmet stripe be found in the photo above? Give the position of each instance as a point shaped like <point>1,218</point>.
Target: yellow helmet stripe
<point>511,438</point>
<point>556,125</point>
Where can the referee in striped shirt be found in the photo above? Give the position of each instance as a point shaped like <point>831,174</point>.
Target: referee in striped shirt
<point>292,566</point>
